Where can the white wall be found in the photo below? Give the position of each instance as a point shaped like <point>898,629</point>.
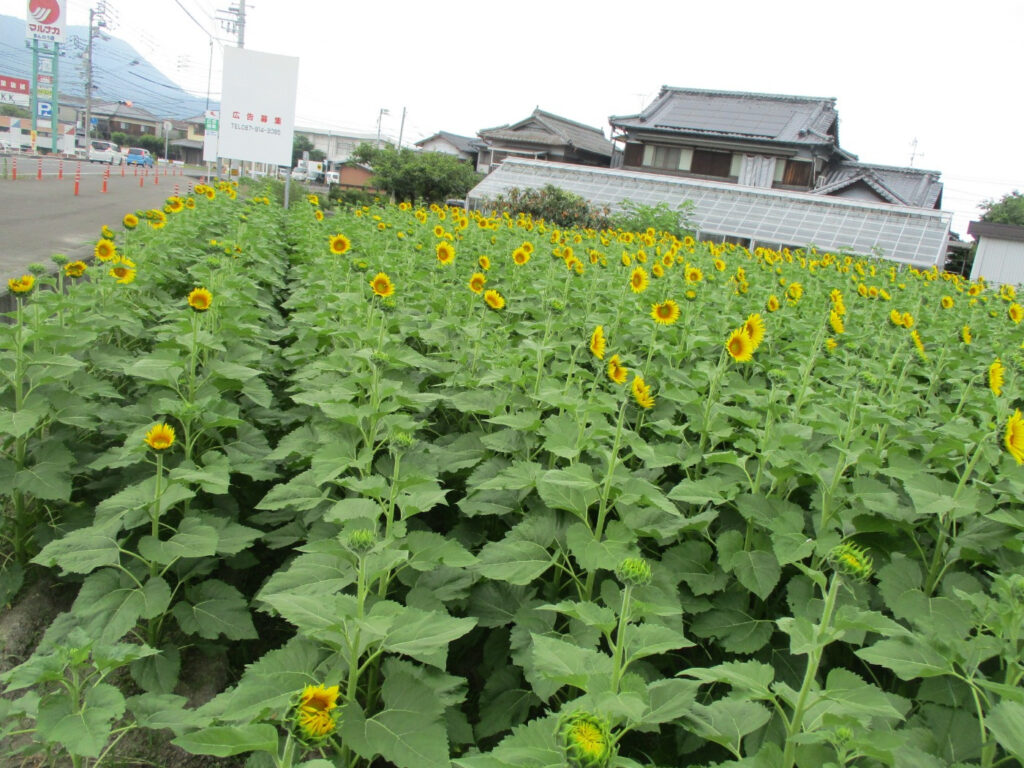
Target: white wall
<point>999,261</point>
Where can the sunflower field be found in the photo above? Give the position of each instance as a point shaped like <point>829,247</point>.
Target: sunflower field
<point>443,488</point>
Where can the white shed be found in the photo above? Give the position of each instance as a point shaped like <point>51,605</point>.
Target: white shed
<point>1000,254</point>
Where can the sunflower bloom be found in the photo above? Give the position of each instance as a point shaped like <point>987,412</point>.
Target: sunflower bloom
<point>693,275</point>
<point>200,299</point>
<point>754,326</point>
<point>740,346</point>
<point>638,280</point>
<point>965,334</point>
<point>836,322</point>
<point>657,270</point>
<point>484,262</point>
<point>1014,437</point>
<point>105,250</point>
<point>665,313</point>
<point>520,256</point>
<point>476,282</point>
<point>318,215</point>
<point>130,221</point>
<point>313,711</point>
<point>382,285</point>
<point>772,305</point>
<point>598,342</point>
<point>907,320</point>
<point>494,300</point>
<point>947,302</point>
<point>339,244</point>
<point>75,269</point>
<point>21,284</point>
<point>895,317</point>
<point>794,292</point>
<point>160,437</point>
<point>919,344</point>
<point>445,252</point>
<point>587,741</point>
<point>996,377</point>
<point>123,273</point>
<point>1015,312</point>
<point>617,372</point>
<point>642,393</point>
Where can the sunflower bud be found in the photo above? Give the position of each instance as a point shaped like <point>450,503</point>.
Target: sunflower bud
<point>59,259</point>
<point>634,571</point>
<point>587,741</point>
<point>361,540</point>
<point>851,560</point>
<point>37,269</point>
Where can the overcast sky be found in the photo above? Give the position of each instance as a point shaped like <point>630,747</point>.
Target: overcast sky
<point>942,74</point>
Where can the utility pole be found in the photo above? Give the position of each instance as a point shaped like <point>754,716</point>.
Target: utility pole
<point>380,116</point>
<point>234,22</point>
<point>401,130</point>
<point>97,20</point>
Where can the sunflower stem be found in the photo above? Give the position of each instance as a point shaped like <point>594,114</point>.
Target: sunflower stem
<point>716,378</point>
<point>620,639</point>
<point>602,511</point>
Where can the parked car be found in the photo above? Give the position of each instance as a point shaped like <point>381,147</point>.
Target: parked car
<point>5,147</point>
<point>105,152</point>
<point>332,177</point>
<point>138,156</point>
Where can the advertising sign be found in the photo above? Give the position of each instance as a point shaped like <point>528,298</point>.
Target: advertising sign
<point>210,136</point>
<point>47,20</point>
<point>14,90</point>
<point>257,106</point>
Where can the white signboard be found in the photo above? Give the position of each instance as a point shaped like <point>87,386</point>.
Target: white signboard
<point>15,137</point>
<point>257,106</point>
<point>47,20</point>
<point>210,136</point>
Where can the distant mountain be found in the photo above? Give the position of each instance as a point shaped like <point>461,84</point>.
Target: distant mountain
<point>119,71</point>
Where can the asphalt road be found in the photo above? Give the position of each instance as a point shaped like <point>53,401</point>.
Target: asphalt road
<point>41,217</point>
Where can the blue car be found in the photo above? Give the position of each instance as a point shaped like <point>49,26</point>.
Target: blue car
<point>138,156</point>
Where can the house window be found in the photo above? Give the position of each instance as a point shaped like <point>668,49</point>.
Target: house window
<point>797,174</point>
<point>709,163</point>
<point>634,155</point>
<point>124,126</point>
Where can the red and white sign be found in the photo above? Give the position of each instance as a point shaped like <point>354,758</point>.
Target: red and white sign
<point>14,90</point>
<point>47,20</point>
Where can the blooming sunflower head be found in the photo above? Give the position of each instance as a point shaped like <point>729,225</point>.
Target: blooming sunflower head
<point>657,270</point>
<point>494,300</point>
<point>200,299</point>
<point>772,305</point>
<point>520,256</point>
<point>123,273</point>
<point>836,321</point>
<point>1015,312</point>
<point>587,741</point>
<point>996,376</point>
<point>794,292</point>
<point>693,274</point>
<point>754,326</point>
<point>598,342</point>
<point>740,346</point>
<point>445,252</point>
<point>965,334</point>
<point>946,302</point>
<point>642,393</point>
<point>617,372</point>
<point>1014,437</point>
<point>907,320</point>
<point>339,244</point>
<point>638,280</point>
<point>130,221</point>
<point>477,282</point>
<point>21,284</point>
<point>665,313</point>
<point>382,285</point>
<point>75,269</point>
<point>318,215</point>
<point>852,561</point>
<point>104,250</point>
<point>160,437</point>
<point>313,719</point>
<point>484,262</point>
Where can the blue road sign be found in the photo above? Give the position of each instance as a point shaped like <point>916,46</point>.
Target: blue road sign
<point>45,109</point>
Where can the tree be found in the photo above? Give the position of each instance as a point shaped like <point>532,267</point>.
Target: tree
<point>302,144</point>
<point>431,177</point>
<point>13,110</point>
<point>1009,209</point>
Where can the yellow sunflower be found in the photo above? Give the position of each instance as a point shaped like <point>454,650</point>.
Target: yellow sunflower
<point>617,372</point>
<point>382,285</point>
<point>313,711</point>
<point>318,215</point>
<point>1016,312</point>
<point>520,256</point>
<point>665,313</point>
<point>642,393</point>
<point>339,244</point>
<point>476,282</point>
<point>123,273</point>
<point>75,269</point>
<point>772,304</point>
<point>996,377</point>
<point>907,320</point>
<point>794,292</point>
<point>598,342</point>
<point>740,346</point>
<point>947,302</point>
<point>160,437</point>
<point>484,262</point>
<point>638,280</point>
<point>836,321</point>
<point>965,334</point>
<point>105,250</point>
<point>754,327</point>
<point>445,253</point>
<point>130,221</point>
<point>494,299</point>
<point>1014,437</point>
<point>200,299</point>
<point>21,284</point>
<point>693,274</point>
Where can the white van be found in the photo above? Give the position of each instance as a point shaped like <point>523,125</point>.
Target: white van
<point>332,177</point>
<point>105,152</point>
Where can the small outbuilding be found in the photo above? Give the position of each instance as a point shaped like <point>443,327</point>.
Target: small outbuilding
<point>999,257</point>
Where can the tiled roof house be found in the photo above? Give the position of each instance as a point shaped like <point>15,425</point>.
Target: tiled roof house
<point>544,136</point>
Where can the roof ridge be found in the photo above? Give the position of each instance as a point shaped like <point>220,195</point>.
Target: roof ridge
<point>775,96</point>
<point>539,111</point>
<point>901,168</point>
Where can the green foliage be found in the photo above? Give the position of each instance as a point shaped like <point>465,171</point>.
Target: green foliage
<point>1009,209</point>
<point>352,198</point>
<point>428,177</point>
<point>120,138</point>
<point>13,110</point>
<point>301,144</point>
<point>637,217</point>
<point>554,205</point>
